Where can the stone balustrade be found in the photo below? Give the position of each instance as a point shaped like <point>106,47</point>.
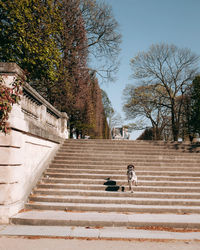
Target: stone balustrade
<point>37,131</point>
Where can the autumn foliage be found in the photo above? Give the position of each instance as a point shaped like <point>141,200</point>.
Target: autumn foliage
<point>51,41</point>
<point>8,97</point>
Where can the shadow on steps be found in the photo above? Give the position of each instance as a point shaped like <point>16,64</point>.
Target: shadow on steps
<point>112,186</point>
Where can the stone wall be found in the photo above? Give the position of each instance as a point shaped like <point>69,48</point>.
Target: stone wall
<point>37,131</point>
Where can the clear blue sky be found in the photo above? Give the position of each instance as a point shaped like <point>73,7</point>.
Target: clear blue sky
<point>146,22</point>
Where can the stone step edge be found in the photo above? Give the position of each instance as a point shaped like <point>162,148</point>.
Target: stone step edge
<point>127,194</point>
<point>137,154</point>
<point>122,170</point>
<point>129,157</point>
<point>94,198</point>
<point>115,149</point>
<point>139,173</point>
<point>116,201</point>
<point>129,208</point>
<point>145,209</point>
<point>121,173</point>
<point>107,219</point>
<point>136,151</point>
<point>141,202</point>
<point>142,184</point>
<point>104,192</point>
<point>129,143</point>
<point>132,146</point>
<point>117,233</point>
<point>179,189</point>
<point>122,165</point>
<point>134,142</point>
<point>126,160</point>
<point>94,161</point>
<point>46,177</point>
<point>118,168</point>
<point>127,151</point>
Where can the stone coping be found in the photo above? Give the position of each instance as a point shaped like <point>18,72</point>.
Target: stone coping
<point>14,69</point>
<point>41,100</point>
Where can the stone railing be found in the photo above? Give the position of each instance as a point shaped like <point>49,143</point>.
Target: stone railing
<point>37,131</point>
<point>34,114</point>
<point>42,115</point>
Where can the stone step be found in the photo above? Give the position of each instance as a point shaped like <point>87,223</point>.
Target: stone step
<point>123,159</point>
<point>161,195</point>
<point>159,178</point>
<point>127,151</point>
<point>122,163</point>
<point>56,184</point>
<point>118,156</point>
<point>120,145</point>
<point>114,200</point>
<point>81,175</point>
<point>120,185</point>
<point>189,236</point>
<point>102,184</point>
<point>118,208</point>
<point>123,168</point>
<point>131,143</point>
<point>122,173</point>
<point>93,219</point>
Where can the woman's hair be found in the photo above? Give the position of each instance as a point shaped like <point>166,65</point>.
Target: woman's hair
<point>130,166</point>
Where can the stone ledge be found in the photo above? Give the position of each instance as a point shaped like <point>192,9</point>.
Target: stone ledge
<point>12,68</point>
<point>41,133</point>
<point>39,98</point>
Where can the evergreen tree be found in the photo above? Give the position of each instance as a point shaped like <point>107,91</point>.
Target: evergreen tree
<point>194,122</point>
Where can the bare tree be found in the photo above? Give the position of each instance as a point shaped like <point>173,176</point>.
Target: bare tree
<point>103,36</point>
<point>171,67</point>
<point>144,103</point>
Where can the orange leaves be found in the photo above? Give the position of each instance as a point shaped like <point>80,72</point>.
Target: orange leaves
<point>8,97</point>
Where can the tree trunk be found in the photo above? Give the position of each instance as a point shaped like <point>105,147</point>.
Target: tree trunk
<point>175,125</point>
<point>175,130</point>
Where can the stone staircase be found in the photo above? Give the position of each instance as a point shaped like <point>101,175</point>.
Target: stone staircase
<point>86,186</point>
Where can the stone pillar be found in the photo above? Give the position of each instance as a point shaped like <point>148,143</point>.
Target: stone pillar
<point>63,122</point>
<point>11,70</point>
<point>43,112</point>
